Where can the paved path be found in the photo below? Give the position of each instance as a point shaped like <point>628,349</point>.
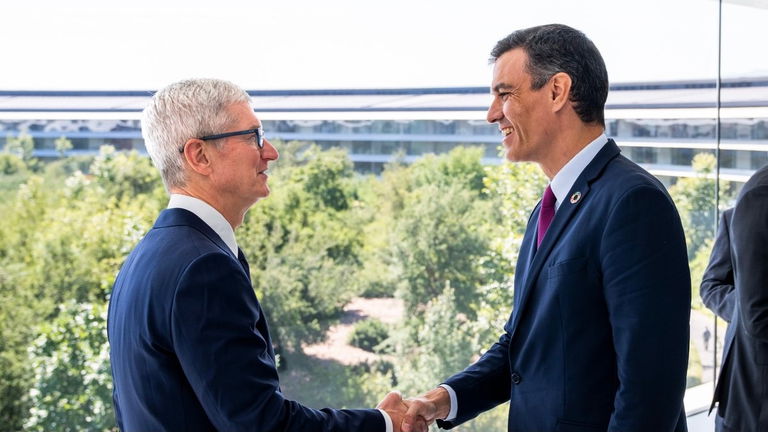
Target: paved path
<point>335,346</point>
<point>699,322</point>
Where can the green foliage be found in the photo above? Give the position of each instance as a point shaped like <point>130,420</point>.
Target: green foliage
<point>304,243</point>
<point>695,201</point>
<point>125,174</point>
<point>435,241</point>
<point>368,333</point>
<point>462,165</point>
<point>442,234</point>
<point>65,167</point>
<point>434,349</point>
<point>326,178</point>
<point>11,164</point>
<point>21,145</point>
<point>13,172</point>
<point>17,310</point>
<point>72,388</point>
<point>303,290</point>
<point>63,239</point>
<point>62,145</point>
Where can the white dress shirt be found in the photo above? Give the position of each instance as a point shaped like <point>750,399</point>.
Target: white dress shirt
<point>560,184</point>
<point>209,215</point>
<point>566,177</point>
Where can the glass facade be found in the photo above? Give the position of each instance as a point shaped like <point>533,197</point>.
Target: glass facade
<point>665,146</point>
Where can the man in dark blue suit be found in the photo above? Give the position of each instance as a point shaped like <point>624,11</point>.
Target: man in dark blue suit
<point>189,343</point>
<point>742,387</point>
<point>598,336</point>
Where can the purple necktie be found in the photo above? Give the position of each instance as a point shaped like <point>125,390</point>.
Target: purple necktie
<point>546,214</point>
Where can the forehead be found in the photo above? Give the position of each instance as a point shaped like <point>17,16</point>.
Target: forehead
<point>510,69</point>
<point>242,114</point>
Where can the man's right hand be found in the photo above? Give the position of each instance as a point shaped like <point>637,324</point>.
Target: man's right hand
<point>425,409</point>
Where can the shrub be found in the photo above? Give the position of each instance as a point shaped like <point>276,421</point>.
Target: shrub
<point>368,334</point>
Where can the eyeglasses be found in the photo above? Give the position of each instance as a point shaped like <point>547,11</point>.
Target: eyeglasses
<point>258,136</point>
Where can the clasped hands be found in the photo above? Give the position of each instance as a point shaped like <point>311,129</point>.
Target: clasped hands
<point>416,414</point>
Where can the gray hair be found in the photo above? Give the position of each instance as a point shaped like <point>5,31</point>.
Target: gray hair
<point>183,110</point>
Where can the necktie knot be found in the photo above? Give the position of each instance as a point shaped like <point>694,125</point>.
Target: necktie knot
<point>546,214</point>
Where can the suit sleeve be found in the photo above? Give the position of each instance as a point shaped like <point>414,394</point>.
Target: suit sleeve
<point>483,385</point>
<point>750,237</point>
<point>648,293</point>
<point>228,363</point>
<point>717,290</point>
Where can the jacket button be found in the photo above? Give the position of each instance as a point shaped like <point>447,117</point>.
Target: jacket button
<point>516,378</point>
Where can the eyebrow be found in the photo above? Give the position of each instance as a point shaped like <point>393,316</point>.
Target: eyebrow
<point>501,86</point>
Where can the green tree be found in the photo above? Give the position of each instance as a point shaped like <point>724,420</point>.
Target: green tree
<point>62,145</point>
<point>303,244</point>
<point>695,201</point>
<point>437,239</point>
<point>21,145</point>
<point>126,174</point>
<point>72,388</point>
<point>13,172</point>
<point>436,348</point>
<point>17,310</point>
<point>62,242</point>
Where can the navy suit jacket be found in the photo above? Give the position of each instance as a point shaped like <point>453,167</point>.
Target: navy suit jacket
<point>742,388</point>
<point>189,343</point>
<point>598,337</point>
<point>717,290</point>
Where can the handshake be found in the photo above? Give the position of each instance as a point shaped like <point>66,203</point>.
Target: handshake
<point>416,414</point>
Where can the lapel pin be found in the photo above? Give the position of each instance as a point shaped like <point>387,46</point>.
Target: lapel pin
<point>575,197</point>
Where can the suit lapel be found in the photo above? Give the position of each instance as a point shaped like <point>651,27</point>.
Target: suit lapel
<point>526,254</point>
<point>244,262</point>
<point>534,262</point>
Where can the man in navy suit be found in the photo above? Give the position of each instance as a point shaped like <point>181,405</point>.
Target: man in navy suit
<point>742,387</point>
<point>598,336</point>
<point>189,342</point>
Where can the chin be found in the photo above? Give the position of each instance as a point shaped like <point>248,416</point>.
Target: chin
<point>511,156</point>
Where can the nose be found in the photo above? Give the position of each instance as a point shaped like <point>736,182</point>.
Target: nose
<point>494,111</point>
<point>269,152</point>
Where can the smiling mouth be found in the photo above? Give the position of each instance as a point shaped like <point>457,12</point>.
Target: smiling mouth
<point>506,131</point>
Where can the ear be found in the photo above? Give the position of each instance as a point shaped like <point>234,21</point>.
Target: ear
<point>560,90</point>
<point>197,155</point>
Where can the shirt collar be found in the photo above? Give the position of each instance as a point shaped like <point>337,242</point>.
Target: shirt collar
<point>209,215</point>
<point>566,177</point>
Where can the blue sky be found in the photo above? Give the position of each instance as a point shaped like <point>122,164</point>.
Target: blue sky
<point>142,44</point>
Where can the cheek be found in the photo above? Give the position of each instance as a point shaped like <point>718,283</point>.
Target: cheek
<point>511,111</point>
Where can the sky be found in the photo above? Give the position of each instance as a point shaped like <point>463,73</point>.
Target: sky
<point>305,44</point>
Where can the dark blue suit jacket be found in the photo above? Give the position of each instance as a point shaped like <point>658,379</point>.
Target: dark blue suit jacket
<point>598,337</point>
<point>742,388</point>
<point>189,343</point>
<point>717,281</point>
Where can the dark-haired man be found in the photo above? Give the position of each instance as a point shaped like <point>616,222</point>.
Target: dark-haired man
<point>598,336</point>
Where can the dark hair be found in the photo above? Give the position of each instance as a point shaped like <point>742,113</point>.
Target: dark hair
<point>557,48</point>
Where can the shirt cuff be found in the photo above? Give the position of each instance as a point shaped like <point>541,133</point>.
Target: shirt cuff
<point>454,403</point>
<point>387,421</point>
